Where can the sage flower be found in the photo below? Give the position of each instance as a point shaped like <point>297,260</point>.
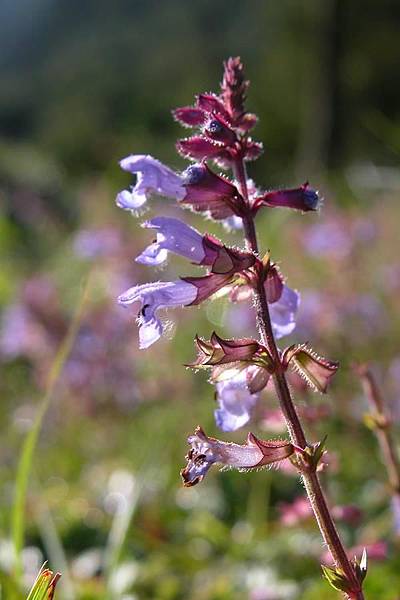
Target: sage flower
<point>172,235</point>
<point>152,297</point>
<point>206,451</point>
<point>152,177</point>
<point>283,312</point>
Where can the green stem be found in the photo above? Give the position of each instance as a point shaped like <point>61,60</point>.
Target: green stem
<point>28,448</point>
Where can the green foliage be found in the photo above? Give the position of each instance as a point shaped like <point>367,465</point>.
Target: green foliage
<point>44,586</point>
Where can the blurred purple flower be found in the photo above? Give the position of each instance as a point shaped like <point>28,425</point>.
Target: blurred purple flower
<point>328,239</point>
<point>153,296</point>
<point>235,401</point>
<point>175,236</point>
<point>240,319</point>
<point>283,312</point>
<point>292,513</point>
<point>94,243</point>
<point>395,502</point>
<point>18,334</point>
<point>152,178</point>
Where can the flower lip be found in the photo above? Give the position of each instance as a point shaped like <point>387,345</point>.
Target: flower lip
<point>172,235</point>
<point>152,297</point>
<point>152,177</point>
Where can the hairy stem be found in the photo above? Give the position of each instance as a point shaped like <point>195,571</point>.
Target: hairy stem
<point>295,429</point>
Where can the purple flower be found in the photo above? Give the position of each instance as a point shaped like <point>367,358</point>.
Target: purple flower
<point>396,512</point>
<point>235,401</point>
<point>283,312</point>
<point>152,177</point>
<point>94,243</point>
<point>328,239</point>
<point>153,296</point>
<point>175,236</point>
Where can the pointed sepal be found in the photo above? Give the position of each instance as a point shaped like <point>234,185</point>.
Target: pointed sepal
<point>219,351</point>
<point>208,285</point>
<point>361,567</point>
<point>225,260</point>
<point>189,116</point>
<point>199,147</point>
<point>316,370</point>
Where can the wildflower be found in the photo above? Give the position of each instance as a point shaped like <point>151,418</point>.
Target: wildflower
<point>152,297</point>
<point>206,451</point>
<point>283,312</point>
<point>236,402</point>
<point>240,369</point>
<point>152,177</point>
<point>96,243</point>
<point>175,236</point>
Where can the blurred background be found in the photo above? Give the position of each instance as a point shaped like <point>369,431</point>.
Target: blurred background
<point>85,84</point>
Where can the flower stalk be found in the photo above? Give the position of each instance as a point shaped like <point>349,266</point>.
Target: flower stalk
<point>241,368</point>
<point>297,436</point>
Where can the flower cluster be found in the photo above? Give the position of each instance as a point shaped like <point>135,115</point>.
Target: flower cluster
<point>240,369</point>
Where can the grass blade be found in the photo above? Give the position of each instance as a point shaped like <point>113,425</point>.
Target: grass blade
<point>28,448</point>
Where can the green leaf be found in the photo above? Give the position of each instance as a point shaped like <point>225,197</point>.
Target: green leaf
<point>28,448</point>
<point>45,585</point>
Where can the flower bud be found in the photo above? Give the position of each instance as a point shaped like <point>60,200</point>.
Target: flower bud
<point>211,103</point>
<point>210,193</point>
<point>218,129</point>
<point>303,198</point>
